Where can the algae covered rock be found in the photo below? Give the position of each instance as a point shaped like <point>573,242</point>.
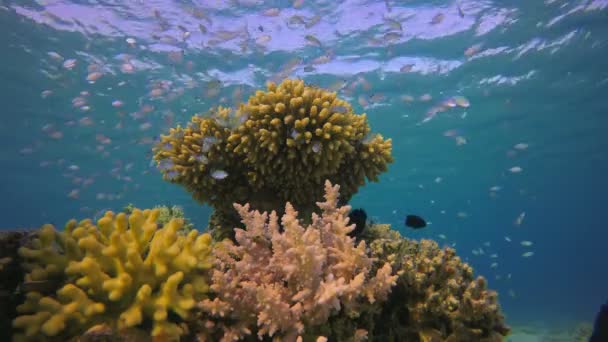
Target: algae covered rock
<point>125,272</point>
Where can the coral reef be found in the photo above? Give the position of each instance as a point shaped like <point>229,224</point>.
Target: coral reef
<point>436,296</point>
<point>166,214</point>
<point>278,147</point>
<point>316,274</point>
<point>280,283</point>
<point>128,278</point>
<point>125,272</point>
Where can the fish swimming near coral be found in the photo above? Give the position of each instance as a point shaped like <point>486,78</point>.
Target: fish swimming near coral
<point>358,217</point>
<point>600,327</point>
<point>414,221</point>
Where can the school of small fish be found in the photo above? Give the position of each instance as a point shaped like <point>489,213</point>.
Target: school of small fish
<point>106,120</point>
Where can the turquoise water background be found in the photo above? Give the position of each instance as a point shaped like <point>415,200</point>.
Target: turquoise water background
<point>537,75</point>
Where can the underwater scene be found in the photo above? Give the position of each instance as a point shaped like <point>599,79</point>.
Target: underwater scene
<point>304,170</point>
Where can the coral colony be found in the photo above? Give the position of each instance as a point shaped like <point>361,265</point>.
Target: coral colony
<point>278,263</point>
<point>279,146</point>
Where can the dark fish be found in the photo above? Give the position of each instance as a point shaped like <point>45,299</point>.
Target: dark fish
<point>358,217</point>
<point>415,222</point>
<point>600,327</point>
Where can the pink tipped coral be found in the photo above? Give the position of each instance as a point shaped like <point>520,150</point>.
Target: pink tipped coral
<point>278,279</point>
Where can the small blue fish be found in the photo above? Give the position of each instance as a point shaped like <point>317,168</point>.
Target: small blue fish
<point>368,138</point>
<point>202,159</point>
<point>219,174</point>
<point>339,109</point>
<point>208,142</point>
<point>172,175</point>
<point>164,165</point>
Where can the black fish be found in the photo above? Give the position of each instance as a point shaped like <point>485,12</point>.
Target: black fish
<point>600,327</point>
<point>415,222</point>
<point>357,217</point>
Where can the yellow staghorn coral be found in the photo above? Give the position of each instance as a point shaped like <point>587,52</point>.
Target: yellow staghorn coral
<point>278,147</point>
<point>283,283</point>
<point>123,272</point>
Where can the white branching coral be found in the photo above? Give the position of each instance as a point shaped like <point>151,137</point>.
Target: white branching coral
<point>278,279</point>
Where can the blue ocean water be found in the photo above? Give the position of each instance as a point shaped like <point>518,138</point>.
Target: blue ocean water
<point>524,162</point>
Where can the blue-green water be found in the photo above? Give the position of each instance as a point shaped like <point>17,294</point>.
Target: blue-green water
<point>535,74</point>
